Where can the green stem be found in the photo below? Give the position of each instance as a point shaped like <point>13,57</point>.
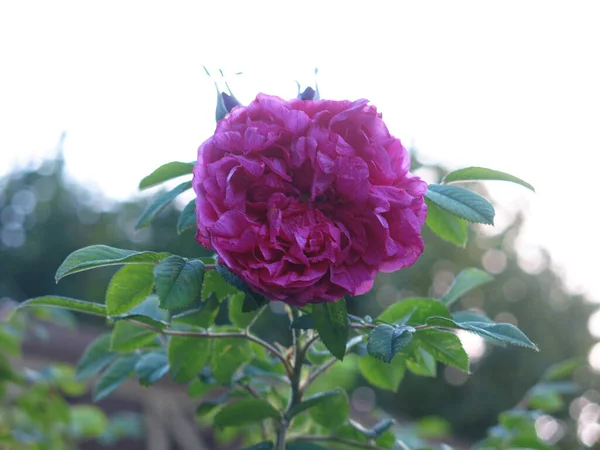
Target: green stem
<point>295,392</point>
<point>230,335</point>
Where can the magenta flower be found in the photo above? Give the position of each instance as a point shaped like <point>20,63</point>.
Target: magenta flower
<point>307,201</point>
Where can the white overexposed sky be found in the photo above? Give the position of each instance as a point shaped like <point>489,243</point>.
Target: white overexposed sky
<point>512,85</point>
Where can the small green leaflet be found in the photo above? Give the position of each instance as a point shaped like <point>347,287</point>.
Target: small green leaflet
<point>562,370</point>
<point>312,401</point>
<point>166,172</point>
<point>481,173</point>
<point>497,333</point>
<point>447,226</point>
<point>114,376</point>
<point>154,208</point>
<point>96,356</point>
<point>385,341</point>
<point>227,356</point>
<point>420,362</point>
<point>467,280</point>
<point>178,282</point>
<point>127,337</point>
<point>102,255</point>
<point>382,375</point>
<point>87,421</point>
<point>461,202</point>
<point>151,367</point>
<point>444,346</point>
<point>187,357</point>
<point>334,412</point>
<point>237,316</point>
<point>129,287</point>
<point>187,218</point>
<point>67,303</point>
<point>331,321</point>
<point>414,311</point>
<point>244,412</point>
<point>252,301</point>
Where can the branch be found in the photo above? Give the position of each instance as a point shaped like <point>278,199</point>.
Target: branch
<point>338,440</point>
<point>231,335</point>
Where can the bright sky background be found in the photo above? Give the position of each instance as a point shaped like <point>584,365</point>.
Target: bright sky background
<point>510,85</point>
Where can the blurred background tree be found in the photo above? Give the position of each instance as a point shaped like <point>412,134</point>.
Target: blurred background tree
<point>44,217</point>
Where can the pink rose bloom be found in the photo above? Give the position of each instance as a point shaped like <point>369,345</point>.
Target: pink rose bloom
<point>306,201</point>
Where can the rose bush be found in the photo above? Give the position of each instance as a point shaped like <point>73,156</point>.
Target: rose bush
<point>306,201</point>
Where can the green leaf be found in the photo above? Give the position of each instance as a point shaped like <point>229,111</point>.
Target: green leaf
<point>331,321</point>
<point>129,287</point>
<point>187,357</point>
<point>562,370</point>
<point>252,301</point>
<point>303,322</point>
<point>154,208</point>
<point>461,202</point>
<point>481,173</point>
<point>548,402</point>
<point>115,376</point>
<point>10,340</point>
<point>178,281</point>
<point>96,356</point>
<point>6,370</point>
<point>203,316</point>
<point>127,337</point>
<point>187,218</point>
<point>158,324</point>
<point>216,285</point>
<point>151,367</point>
<point>312,401</point>
<point>388,440</point>
<point>228,355</point>
<point>244,412</point>
<point>444,347</point>
<point>380,374</point>
<point>497,333</point>
<point>433,427</point>
<point>467,280</point>
<point>333,413</point>
<point>470,316</point>
<point>422,363</point>
<point>86,421</point>
<point>166,172</point>
<point>197,388</point>
<point>63,377</point>
<point>237,316</point>
<point>417,310</point>
<point>67,303</point>
<point>385,341</point>
<point>447,226</point>
<point>149,313</point>
<point>101,255</point>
